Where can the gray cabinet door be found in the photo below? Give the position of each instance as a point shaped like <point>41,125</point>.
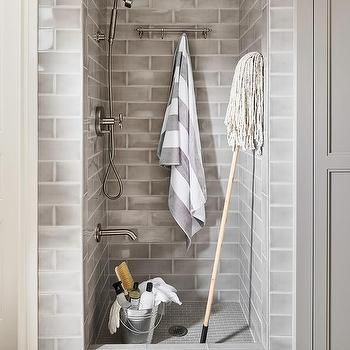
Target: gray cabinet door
<point>332,174</point>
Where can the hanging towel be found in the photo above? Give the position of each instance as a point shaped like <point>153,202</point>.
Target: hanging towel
<point>180,148</point>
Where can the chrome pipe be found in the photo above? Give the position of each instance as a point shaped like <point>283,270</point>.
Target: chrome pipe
<point>100,233</point>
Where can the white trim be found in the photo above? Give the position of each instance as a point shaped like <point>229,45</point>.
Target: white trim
<point>28,275</point>
<point>305,176</point>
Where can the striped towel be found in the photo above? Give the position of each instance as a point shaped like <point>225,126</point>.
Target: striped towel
<point>180,148</point>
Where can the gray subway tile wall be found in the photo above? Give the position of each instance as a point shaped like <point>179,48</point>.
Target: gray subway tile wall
<point>253,189</point>
<point>60,177</point>
<point>95,256</point>
<point>142,74</point>
<point>282,143</point>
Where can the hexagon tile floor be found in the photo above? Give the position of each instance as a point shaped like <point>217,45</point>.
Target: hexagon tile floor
<point>227,325</point>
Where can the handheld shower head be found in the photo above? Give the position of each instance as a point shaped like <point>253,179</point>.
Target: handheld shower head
<point>114,14</point>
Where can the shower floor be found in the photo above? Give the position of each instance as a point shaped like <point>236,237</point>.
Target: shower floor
<point>227,325</point>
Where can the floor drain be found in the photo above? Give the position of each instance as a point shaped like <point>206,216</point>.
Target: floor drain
<point>178,331</point>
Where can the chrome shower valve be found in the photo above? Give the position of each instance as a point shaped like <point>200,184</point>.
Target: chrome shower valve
<point>102,122</point>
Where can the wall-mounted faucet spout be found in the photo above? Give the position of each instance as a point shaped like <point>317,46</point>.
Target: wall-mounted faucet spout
<point>99,233</point>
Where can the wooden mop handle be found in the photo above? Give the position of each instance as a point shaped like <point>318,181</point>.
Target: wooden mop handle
<point>219,245</point>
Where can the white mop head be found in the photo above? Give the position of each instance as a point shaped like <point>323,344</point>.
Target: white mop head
<point>244,117</point>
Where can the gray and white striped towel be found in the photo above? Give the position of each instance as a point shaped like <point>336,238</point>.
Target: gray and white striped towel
<point>180,148</point>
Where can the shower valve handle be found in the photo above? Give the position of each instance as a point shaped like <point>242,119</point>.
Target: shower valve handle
<point>120,120</point>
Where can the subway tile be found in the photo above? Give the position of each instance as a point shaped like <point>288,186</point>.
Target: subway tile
<point>147,173</point>
<point>204,47</point>
<point>155,234</point>
<point>46,171</point>
<point>59,281</point>
<point>281,281</point>
<point>229,16</point>
<point>281,18</point>
<point>282,85</point>
<point>148,203</point>
<point>59,194</point>
<point>285,342</point>
<point>46,39</point>
<point>166,4</point>
<point>146,16</point>
<point>68,171</point>
<point>127,218</point>
<point>146,110</point>
<point>54,62</point>
<point>281,238</point>
<point>68,260</point>
<point>171,251</point>
<point>282,303</point>
<point>46,83</point>
<point>59,237</point>
<point>68,40</point>
<point>281,325</point>
<point>68,303</point>
<point>59,17</point>
<point>59,106</point>
<point>281,260</point>
<point>281,41</point>
<point>47,304</point>
<point>161,63</point>
<point>150,47</point>
<point>130,63</point>
<point>193,267</point>
<point>46,128</point>
<point>282,62</point>
<point>281,194</point>
<point>128,251</point>
<point>47,259</point>
<point>68,84</point>
<point>150,266</point>
<point>196,15</point>
<point>218,4</point>
<point>209,63</point>
<point>68,128</point>
<point>149,78</point>
<point>132,93</point>
<point>70,344</point>
<point>224,282</point>
<point>60,326</point>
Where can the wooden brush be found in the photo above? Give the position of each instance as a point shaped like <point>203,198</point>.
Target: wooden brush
<point>123,273</point>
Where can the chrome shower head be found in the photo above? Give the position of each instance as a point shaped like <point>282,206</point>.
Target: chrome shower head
<point>128,3</point>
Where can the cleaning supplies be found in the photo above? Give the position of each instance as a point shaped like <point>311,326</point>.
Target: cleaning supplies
<point>134,296</point>
<point>123,302</point>
<point>114,317</point>
<point>124,275</point>
<point>163,292</point>
<point>147,298</point>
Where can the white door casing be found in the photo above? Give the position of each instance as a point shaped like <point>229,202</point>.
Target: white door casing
<point>18,175</point>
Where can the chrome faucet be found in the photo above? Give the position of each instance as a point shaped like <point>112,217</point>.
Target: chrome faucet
<point>99,233</point>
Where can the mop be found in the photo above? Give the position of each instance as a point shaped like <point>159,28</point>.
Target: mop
<point>244,122</point>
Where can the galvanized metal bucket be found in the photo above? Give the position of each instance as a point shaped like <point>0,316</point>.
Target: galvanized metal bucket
<point>137,326</point>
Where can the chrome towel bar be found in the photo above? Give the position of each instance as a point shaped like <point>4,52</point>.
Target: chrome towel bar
<point>163,30</point>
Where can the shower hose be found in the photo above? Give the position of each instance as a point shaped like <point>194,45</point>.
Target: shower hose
<point>111,142</point>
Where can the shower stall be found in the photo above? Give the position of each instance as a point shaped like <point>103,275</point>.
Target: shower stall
<point>104,75</point>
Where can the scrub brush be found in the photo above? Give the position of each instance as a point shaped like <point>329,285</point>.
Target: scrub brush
<point>123,273</point>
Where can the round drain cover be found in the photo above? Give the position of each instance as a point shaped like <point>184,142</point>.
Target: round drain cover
<point>178,331</point>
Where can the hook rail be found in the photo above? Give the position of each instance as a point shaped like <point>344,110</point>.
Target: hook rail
<point>163,30</point>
